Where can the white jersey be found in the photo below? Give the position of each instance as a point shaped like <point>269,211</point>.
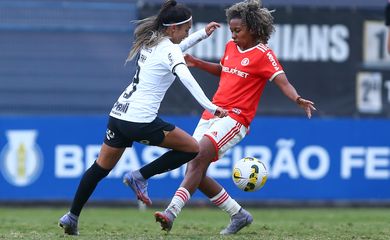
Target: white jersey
<point>155,73</point>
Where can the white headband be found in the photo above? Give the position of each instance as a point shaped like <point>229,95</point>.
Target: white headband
<point>171,24</point>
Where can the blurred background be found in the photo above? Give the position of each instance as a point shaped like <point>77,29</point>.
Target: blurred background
<point>62,67</point>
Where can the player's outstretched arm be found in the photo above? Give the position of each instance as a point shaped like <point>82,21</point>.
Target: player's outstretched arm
<point>285,86</point>
<point>211,27</point>
<point>198,36</point>
<point>210,67</point>
<point>185,76</point>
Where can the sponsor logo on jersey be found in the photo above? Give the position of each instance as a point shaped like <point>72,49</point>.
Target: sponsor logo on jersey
<point>273,61</point>
<point>215,133</point>
<point>21,159</point>
<point>235,71</point>
<point>121,107</point>
<point>245,62</point>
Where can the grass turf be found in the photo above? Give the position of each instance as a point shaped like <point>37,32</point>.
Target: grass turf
<point>199,223</point>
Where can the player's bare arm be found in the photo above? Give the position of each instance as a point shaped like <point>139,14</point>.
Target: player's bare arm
<point>282,82</point>
<point>210,67</point>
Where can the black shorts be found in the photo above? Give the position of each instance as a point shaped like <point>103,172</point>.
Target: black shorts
<point>122,133</point>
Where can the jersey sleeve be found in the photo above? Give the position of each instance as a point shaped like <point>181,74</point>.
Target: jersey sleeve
<point>172,56</point>
<point>185,76</point>
<point>193,39</point>
<point>222,61</point>
<point>270,65</point>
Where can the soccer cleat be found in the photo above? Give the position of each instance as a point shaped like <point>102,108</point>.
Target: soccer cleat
<point>241,219</point>
<point>69,223</point>
<point>140,187</point>
<point>165,219</point>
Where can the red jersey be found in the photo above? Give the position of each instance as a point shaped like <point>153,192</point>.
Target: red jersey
<point>242,81</point>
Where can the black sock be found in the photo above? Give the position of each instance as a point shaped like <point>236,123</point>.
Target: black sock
<point>86,187</point>
<point>168,161</point>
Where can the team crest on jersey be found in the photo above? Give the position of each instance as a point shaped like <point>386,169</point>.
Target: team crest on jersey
<point>245,61</point>
<point>21,158</point>
<point>236,111</point>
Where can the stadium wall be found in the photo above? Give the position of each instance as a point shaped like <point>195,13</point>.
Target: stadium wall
<point>68,58</point>
<point>339,62</point>
<point>62,68</point>
<point>326,160</point>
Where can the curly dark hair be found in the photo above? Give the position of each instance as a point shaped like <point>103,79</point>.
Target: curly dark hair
<point>257,19</point>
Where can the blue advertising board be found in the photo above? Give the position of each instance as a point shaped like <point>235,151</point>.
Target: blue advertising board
<point>42,158</point>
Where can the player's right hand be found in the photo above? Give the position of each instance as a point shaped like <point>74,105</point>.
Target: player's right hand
<point>220,112</point>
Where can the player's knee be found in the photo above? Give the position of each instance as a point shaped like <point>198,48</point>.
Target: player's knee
<point>194,146</point>
<point>186,157</point>
<point>198,165</point>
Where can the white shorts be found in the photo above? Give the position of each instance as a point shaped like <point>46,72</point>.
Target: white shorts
<point>223,132</point>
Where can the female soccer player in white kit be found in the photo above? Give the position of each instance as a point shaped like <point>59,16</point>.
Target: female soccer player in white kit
<point>134,115</point>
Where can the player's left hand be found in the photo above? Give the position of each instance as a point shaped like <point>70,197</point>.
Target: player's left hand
<point>307,105</point>
<point>210,28</point>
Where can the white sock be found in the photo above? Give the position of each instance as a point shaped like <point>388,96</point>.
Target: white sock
<point>226,203</point>
<point>179,200</point>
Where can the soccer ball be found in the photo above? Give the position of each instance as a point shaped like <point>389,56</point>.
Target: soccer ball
<point>249,174</point>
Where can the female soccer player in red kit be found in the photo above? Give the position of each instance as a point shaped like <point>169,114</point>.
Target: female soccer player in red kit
<point>247,65</point>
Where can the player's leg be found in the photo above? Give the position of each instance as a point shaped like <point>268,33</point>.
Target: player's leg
<point>239,217</point>
<point>107,159</point>
<point>184,148</point>
<point>110,153</point>
<point>195,172</point>
<point>218,135</point>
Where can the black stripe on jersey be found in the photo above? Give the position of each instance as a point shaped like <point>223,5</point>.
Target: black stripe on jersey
<point>173,69</point>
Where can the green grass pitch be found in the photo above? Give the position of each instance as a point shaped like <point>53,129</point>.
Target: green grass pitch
<point>199,223</point>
